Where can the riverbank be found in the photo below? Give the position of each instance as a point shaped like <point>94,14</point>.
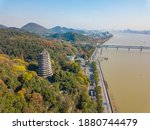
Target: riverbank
<point>105,95</point>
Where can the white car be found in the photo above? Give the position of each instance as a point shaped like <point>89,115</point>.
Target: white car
<point>91,92</point>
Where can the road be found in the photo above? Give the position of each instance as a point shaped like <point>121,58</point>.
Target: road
<point>89,72</point>
<point>105,96</point>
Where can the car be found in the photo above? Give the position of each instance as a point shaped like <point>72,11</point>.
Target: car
<point>91,84</point>
<point>105,103</point>
<point>91,92</point>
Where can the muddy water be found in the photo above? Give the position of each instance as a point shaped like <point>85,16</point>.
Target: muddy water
<point>128,73</point>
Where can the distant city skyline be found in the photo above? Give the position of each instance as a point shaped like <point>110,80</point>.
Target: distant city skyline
<point>80,14</point>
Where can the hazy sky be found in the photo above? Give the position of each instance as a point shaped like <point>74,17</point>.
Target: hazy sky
<point>85,14</point>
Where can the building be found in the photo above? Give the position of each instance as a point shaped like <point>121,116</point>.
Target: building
<point>71,58</point>
<point>82,61</point>
<point>44,64</point>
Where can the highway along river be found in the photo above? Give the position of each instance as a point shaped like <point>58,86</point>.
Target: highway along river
<point>128,73</point>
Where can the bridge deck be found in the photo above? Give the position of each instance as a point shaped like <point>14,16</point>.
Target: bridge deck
<point>124,47</point>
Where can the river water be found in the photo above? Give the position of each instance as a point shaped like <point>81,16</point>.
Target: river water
<point>128,73</point>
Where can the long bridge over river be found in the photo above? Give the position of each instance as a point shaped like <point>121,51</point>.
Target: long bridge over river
<point>124,47</point>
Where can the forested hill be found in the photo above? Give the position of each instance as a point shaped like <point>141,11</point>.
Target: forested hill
<point>36,29</point>
<point>2,26</point>
<point>25,45</point>
<point>72,37</point>
<point>22,90</point>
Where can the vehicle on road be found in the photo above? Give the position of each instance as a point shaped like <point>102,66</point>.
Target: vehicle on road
<point>92,92</point>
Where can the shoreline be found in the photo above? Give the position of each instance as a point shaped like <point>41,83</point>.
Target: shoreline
<point>105,94</point>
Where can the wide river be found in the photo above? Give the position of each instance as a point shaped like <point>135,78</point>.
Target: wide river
<point>128,73</point>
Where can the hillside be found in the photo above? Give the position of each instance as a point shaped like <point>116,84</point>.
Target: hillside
<point>42,31</point>
<point>75,36</point>
<point>72,37</point>
<point>36,29</point>
<point>61,30</point>
<point>2,27</point>
<point>28,46</point>
<point>22,90</point>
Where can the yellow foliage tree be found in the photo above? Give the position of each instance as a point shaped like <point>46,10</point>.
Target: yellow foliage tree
<point>34,74</point>
<point>19,61</point>
<point>26,76</point>
<point>22,92</point>
<point>1,82</point>
<point>19,68</point>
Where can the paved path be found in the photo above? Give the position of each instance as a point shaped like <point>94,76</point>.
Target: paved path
<point>105,96</point>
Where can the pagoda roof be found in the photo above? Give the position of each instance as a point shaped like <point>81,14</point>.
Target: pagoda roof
<point>44,52</point>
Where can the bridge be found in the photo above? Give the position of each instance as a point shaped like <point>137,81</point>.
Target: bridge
<point>124,47</point>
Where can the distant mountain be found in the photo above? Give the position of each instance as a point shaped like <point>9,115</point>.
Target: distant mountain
<point>42,31</point>
<point>3,27</point>
<point>78,38</point>
<point>14,28</point>
<point>63,33</point>
<point>36,29</point>
<point>136,31</point>
<point>72,37</point>
<point>59,29</point>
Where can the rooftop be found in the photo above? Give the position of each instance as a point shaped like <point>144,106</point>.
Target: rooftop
<point>44,52</point>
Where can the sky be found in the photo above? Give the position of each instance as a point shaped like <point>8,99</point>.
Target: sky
<point>80,14</point>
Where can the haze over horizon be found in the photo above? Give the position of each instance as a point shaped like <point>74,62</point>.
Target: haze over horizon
<point>81,14</point>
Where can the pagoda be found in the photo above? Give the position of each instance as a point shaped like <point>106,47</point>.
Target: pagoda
<point>44,64</point>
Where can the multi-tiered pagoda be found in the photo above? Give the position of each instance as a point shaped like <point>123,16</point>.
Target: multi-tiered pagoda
<point>44,63</point>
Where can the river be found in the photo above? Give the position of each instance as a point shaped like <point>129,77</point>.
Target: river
<point>128,73</point>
